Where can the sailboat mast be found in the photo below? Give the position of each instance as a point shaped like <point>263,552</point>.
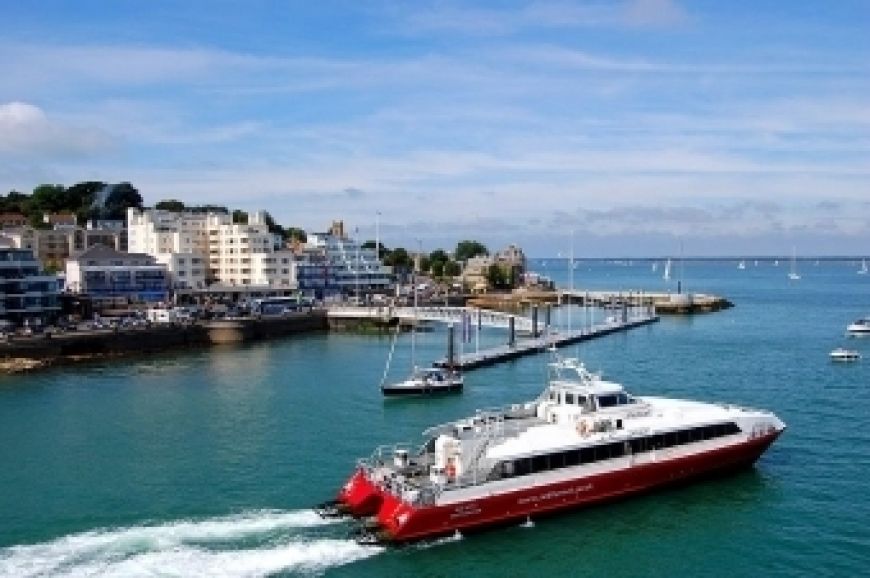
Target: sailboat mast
<point>571,267</point>
<point>414,326</point>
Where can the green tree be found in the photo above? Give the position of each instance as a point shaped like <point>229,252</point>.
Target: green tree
<point>496,277</point>
<point>14,202</point>
<point>173,205</point>
<point>437,268</point>
<point>240,217</point>
<point>274,227</point>
<point>122,197</point>
<point>47,199</point>
<point>467,249</point>
<point>208,209</point>
<point>399,257</point>
<point>295,234</point>
<point>80,199</point>
<point>451,269</point>
<point>438,255</point>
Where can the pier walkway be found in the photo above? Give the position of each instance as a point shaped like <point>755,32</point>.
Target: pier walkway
<point>523,347</point>
<point>433,314</point>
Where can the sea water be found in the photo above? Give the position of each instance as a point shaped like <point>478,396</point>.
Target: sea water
<point>206,463</point>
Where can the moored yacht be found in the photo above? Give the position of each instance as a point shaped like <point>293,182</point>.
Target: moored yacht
<point>842,354</point>
<point>425,381</point>
<point>859,327</point>
<point>583,440</point>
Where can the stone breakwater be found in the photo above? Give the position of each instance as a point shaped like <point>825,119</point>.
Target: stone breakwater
<point>37,352</point>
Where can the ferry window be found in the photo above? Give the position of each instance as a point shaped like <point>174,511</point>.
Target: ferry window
<point>708,432</point>
<point>587,455</point>
<point>606,400</point>
<point>658,441</point>
<point>581,400</point>
<point>670,439</point>
<point>697,434</point>
<point>540,464</point>
<point>572,458</point>
<point>557,460</point>
<point>507,469</point>
<point>638,445</point>
<point>602,453</point>
<point>683,437</point>
<point>623,399</point>
<point>522,466</point>
<point>617,450</point>
<point>554,396</point>
<point>731,428</point>
<point>569,398</point>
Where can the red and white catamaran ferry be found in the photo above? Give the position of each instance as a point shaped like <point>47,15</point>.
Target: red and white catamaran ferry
<point>583,441</point>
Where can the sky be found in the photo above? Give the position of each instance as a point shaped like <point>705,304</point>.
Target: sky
<point>618,128</point>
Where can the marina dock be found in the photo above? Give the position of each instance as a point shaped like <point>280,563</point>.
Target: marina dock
<point>664,302</point>
<point>530,346</point>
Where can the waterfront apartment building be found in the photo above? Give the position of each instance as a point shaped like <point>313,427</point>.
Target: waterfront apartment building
<point>27,294</point>
<point>349,268</point>
<point>179,241</point>
<point>53,246</point>
<point>105,273</point>
<point>204,248</point>
<point>248,254</point>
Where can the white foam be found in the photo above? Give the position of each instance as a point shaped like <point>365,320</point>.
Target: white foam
<point>187,548</point>
<point>455,537</point>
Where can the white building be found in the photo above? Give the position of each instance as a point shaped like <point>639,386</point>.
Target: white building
<point>352,269</point>
<point>103,272</point>
<point>204,248</point>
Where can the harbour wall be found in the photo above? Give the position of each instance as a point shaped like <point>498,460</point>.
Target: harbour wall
<point>28,353</point>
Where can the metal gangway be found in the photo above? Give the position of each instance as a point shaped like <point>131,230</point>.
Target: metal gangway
<point>436,314</point>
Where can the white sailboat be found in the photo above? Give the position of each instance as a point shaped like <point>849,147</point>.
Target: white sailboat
<point>863,270</point>
<point>667,275</point>
<point>741,265</point>
<point>422,381</point>
<point>793,274</point>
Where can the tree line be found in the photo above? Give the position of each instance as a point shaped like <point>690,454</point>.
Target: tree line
<point>79,199</point>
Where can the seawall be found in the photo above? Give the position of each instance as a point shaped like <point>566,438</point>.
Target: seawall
<point>28,353</point>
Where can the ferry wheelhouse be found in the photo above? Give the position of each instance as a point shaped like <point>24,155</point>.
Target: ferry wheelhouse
<point>583,440</point>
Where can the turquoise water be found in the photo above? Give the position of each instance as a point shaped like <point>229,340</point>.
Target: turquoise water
<point>204,463</point>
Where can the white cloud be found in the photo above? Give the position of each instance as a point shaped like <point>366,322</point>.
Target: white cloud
<point>25,130</point>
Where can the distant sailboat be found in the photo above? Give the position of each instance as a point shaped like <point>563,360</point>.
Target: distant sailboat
<point>863,269</point>
<point>793,274</point>
<point>667,275</point>
<point>655,266</point>
<point>741,265</point>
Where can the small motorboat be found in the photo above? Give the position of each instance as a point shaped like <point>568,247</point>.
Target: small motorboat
<point>860,327</point>
<point>842,354</point>
<point>427,381</point>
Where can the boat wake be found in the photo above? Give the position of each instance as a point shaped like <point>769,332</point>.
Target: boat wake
<point>251,544</point>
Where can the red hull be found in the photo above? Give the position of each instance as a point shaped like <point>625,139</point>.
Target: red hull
<point>401,522</point>
<point>359,496</point>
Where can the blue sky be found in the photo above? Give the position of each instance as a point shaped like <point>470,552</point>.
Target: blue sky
<point>731,127</point>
